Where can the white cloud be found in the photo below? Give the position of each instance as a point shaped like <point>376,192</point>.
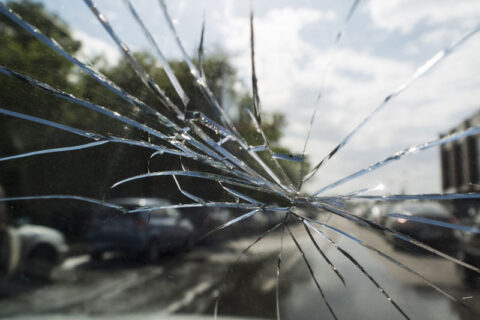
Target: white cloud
<point>92,47</point>
<point>404,15</point>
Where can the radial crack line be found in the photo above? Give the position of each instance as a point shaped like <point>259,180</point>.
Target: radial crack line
<point>230,205</point>
<point>54,150</point>
<point>434,222</point>
<point>200,51</point>
<point>424,196</point>
<point>256,98</point>
<point>197,174</point>
<point>66,197</point>
<point>329,66</point>
<point>229,223</point>
<point>52,124</point>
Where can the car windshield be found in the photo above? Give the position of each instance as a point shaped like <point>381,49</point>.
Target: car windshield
<point>239,159</point>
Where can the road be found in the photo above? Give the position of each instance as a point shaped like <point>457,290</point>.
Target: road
<point>191,283</point>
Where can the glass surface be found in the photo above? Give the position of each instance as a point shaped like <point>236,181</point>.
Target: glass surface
<point>239,160</point>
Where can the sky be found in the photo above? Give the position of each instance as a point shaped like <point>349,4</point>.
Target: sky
<point>382,46</point>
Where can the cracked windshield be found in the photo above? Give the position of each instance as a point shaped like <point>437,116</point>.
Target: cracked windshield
<point>222,159</point>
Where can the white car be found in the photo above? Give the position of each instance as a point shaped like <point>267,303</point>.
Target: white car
<point>32,251</point>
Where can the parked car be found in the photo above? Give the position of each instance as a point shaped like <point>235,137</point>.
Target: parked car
<point>444,239</point>
<point>377,213</point>
<point>147,233</point>
<point>206,219</point>
<point>469,252</point>
<point>32,251</point>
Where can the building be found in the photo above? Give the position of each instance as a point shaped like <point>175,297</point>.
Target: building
<point>460,166</point>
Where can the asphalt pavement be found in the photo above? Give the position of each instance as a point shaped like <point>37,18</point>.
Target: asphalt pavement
<point>193,283</point>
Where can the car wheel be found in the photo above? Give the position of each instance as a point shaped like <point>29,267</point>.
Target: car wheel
<point>40,263</point>
<point>153,251</point>
<point>470,277</point>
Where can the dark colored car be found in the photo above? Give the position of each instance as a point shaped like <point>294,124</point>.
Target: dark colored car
<point>147,233</point>
<point>444,239</point>
<point>469,252</point>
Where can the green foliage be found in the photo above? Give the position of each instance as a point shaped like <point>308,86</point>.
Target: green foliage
<point>21,52</point>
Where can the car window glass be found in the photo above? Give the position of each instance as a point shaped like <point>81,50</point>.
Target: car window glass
<point>239,159</point>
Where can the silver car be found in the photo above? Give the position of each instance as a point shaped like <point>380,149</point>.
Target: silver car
<point>147,233</point>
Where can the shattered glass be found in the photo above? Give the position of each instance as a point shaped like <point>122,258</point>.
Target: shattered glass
<point>346,187</point>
